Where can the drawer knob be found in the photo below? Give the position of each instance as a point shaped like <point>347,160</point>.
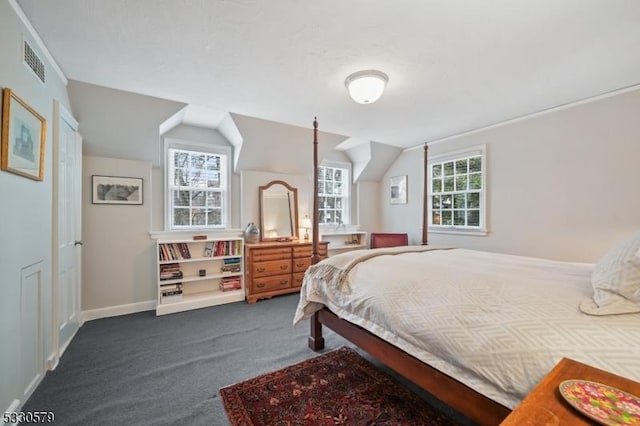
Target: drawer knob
<point>299,265</point>
<point>284,267</point>
<point>283,282</point>
<point>259,285</point>
<point>261,269</point>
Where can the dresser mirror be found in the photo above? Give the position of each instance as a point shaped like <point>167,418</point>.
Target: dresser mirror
<point>278,211</point>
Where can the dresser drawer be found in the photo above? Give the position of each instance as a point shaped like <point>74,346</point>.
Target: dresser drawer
<point>276,282</point>
<point>274,267</point>
<point>302,251</point>
<point>307,251</point>
<point>264,254</point>
<point>297,279</point>
<point>301,265</point>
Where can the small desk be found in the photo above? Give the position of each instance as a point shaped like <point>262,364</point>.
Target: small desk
<point>544,406</point>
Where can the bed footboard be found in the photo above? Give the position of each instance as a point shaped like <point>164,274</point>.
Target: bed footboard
<point>467,401</point>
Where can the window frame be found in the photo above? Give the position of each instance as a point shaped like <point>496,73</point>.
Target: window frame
<point>171,143</point>
<point>346,197</point>
<point>453,156</point>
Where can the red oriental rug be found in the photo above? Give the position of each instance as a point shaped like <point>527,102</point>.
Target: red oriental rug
<point>336,388</point>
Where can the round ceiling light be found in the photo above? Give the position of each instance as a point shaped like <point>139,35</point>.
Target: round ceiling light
<point>366,87</point>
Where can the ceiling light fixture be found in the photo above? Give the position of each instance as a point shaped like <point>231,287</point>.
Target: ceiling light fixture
<point>366,87</point>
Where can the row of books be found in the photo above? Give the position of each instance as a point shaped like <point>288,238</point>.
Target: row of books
<point>231,264</point>
<point>174,251</point>
<point>223,248</point>
<point>171,292</point>
<point>230,283</point>
<point>170,271</point>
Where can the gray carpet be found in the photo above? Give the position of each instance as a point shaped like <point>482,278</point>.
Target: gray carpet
<point>140,369</point>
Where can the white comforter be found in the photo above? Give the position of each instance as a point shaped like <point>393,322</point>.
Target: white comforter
<point>496,322</point>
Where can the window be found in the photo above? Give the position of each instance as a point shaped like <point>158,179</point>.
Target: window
<point>457,191</point>
<point>333,195</point>
<point>197,189</point>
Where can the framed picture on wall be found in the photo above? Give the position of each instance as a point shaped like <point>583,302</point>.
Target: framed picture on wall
<point>116,190</point>
<point>398,189</point>
<point>23,137</point>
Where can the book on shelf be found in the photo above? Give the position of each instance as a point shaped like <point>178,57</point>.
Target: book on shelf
<point>228,248</point>
<point>230,283</point>
<point>170,290</point>
<point>171,276</point>
<point>174,251</point>
<point>231,264</point>
<point>171,298</point>
<point>170,271</point>
<point>170,287</point>
<point>170,266</point>
<point>208,249</point>
<point>230,268</point>
<point>171,295</point>
<point>184,248</point>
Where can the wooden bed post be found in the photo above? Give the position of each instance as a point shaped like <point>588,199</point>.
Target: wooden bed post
<point>315,255</point>
<point>315,341</point>
<point>425,199</point>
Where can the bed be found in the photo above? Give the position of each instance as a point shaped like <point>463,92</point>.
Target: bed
<point>477,337</point>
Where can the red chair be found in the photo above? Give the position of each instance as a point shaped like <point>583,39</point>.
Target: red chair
<point>379,239</point>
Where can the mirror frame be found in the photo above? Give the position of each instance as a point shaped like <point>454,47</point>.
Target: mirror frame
<point>294,209</point>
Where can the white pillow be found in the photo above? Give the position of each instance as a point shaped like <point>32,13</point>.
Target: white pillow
<point>616,281</point>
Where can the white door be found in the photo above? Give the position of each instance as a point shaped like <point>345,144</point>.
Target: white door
<point>67,228</point>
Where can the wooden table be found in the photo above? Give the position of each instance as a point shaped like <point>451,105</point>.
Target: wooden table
<point>544,406</point>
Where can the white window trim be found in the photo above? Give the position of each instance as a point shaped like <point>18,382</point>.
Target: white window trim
<point>174,143</point>
<point>478,150</point>
<point>346,211</point>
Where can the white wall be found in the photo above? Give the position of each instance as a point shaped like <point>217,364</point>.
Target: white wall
<point>25,212</point>
<point>560,185</point>
<point>118,256</point>
<point>368,206</point>
<point>120,138</point>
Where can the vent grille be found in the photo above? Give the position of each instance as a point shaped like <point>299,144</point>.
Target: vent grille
<point>33,61</point>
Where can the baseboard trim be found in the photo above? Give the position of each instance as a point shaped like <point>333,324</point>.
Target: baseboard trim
<point>52,362</point>
<point>114,311</point>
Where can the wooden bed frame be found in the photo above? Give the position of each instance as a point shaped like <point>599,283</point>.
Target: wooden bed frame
<point>467,401</point>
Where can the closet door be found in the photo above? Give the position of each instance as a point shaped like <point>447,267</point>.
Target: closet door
<point>67,229</point>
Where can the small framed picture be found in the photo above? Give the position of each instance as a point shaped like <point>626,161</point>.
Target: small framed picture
<point>116,190</point>
<point>398,190</point>
<point>23,137</point>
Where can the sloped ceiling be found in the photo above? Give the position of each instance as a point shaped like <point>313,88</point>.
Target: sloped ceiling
<point>370,160</point>
<point>453,65</point>
<point>281,148</point>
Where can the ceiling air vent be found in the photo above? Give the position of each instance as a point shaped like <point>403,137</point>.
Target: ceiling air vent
<point>33,61</point>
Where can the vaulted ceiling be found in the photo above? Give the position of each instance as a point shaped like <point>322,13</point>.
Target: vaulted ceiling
<point>453,65</point>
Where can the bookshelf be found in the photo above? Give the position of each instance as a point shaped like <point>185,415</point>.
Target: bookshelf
<point>196,274</point>
<point>344,241</point>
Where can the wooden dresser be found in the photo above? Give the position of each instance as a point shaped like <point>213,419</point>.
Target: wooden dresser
<point>274,268</point>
